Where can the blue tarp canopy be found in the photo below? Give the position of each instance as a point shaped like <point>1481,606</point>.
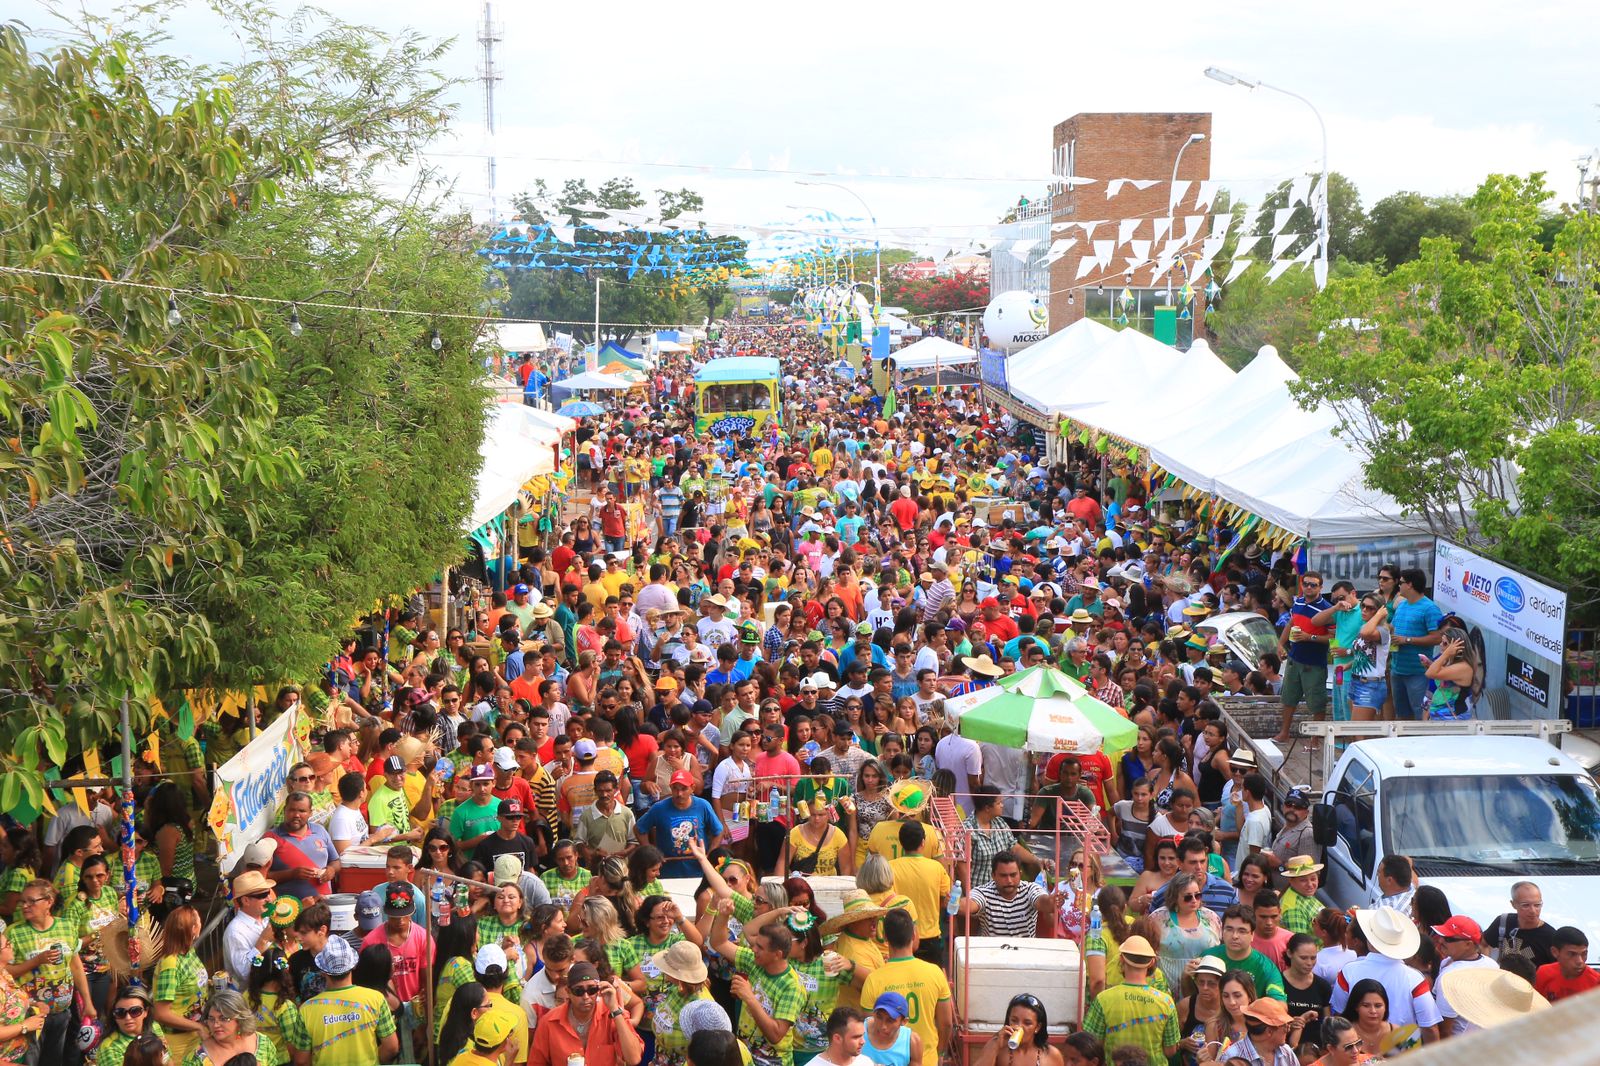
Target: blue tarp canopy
<point>615,353</point>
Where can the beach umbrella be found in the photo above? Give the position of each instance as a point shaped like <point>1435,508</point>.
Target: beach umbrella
<point>580,409</point>
<point>1041,709</point>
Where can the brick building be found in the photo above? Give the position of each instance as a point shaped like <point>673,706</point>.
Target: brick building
<point>1138,146</point>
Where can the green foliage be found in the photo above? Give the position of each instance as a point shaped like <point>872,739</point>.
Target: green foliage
<point>210,503</point>
<point>1397,225</point>
<point>1471,377</point>
<point>561,287</point>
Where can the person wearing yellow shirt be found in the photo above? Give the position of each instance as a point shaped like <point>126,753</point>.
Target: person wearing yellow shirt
<point>822,460</point>
<point>615,577</point>
<point>927,884</point>
<point>885,840</point>
<point>490,967</point>
<point>856,926</point>
<point>593,590</point>
<point>929,1011</point>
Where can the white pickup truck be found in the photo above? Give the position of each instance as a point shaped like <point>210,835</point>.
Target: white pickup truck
<point>1475,814</point>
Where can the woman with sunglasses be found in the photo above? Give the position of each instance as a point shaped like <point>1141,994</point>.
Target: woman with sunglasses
<point>1341,1042</point>
<point>1369,660</point>
<point>1191,928</point>
<point>131,1018</point>
<point>1028,1027</point>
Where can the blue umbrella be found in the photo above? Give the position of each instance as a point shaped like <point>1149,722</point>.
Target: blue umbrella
<point>580,409</point>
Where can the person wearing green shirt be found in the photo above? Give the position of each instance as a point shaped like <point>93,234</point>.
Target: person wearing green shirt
<point>388,805</point>
<point>1345,614</point>
<point>46,963</point>
<point>80,842</point>
<point>767,987</point>
<point>90,910</point>
<point>1238,926</point>
<point>1132,1013</point>
<point>477,817</point>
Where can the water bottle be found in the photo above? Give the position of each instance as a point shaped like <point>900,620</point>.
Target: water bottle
<point>774,802</point>
<point>1094,920</point>
<point>441,907</point>
<point>953,904</point>
<point>1039,879</point>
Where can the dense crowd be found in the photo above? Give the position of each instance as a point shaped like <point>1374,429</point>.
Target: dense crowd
<point>601,799</point>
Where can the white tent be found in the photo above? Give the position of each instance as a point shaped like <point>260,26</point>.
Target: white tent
<point>1126,362</point>
<point>927,352</point>
<point>1265,373</point>
<point>520,336</point>
<point>1198,373</point>
<point>518,445</point>
<point>593,379</point>
<point>1035,374</point>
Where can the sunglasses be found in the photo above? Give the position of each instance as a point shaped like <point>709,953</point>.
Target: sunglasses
<point>259,895</point>
<point>584,990</point>
<point>127,1012</point>
<point>303,777</point>
<point>1352,1048</point>
<point>1190,897</point>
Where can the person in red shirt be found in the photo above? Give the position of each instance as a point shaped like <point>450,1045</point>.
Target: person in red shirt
<point>1097,774</point>
<point>999,627</point>
<point>904,509</point>
<point>1570,973</point>
<point>562,557</point>
<point>1085,508</point>
<point>507,785</point>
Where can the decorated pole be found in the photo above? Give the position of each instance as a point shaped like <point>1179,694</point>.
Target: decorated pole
<point>130,879</point>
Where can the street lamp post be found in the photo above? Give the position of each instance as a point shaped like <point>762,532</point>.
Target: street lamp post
<point>1228,78</point>
<point>877,245</point>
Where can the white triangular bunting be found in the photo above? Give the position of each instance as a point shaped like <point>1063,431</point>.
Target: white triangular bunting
<point>1278,268</point>
<point>1114,186</point>
<point>1298,188</point>
<point>1191,226</point>
<point>1179,193</point>
<point>1239,267</point>
<point>1125,229</point>
<point>1142,183</point>
<point>1282,241</point>
<point>1280,218</point>
<point>1163,226</point>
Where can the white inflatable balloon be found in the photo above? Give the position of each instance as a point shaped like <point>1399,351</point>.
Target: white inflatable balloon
<point>1016,319</point>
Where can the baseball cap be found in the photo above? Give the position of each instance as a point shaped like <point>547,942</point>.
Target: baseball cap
<point>581,972</point>
<point>400,902</point>
<point>505,759</point>
<point>510,809</point>
<point>507,869</point>
<point>864,629</point>
<point>337,958</point>
<point>493,1029</point>
<point>1461,926</point>
<point>369,912</point>
<point>667,684</point>
<point>520,590</point>
<point>394,765</point>
<point>1297,797</point>
<point>893,1004</point>
<point>490,958</point>
<point>483,772</point>
<point>681,777</point>
<point>584,750</point>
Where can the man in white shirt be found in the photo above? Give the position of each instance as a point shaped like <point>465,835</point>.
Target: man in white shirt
<point>1393,938</point>
<point>1460,941</point>
<point>960,756</point>
<point>248,933</point>
<point>1255,820</point>
<point>846,1034</point>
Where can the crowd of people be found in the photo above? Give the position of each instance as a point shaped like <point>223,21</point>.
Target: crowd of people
<point>600,799</point>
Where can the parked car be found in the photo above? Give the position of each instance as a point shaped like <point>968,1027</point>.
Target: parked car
<point>1247,635</point>
<point>1475,814</point>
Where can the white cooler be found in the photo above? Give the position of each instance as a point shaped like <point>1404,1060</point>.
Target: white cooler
<point>681,889</point>
<point>827,889</point>
<point>998,968</point>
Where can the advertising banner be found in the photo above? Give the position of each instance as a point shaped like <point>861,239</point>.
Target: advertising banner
<point>247,786</point>
<point>1358,560</point>
<point>1516,625</point>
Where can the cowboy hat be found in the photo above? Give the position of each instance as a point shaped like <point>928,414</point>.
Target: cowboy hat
<point>1137,947</point>
<point>908,797</point>
<point>981,664</point>
<point>681,962</point>
<point>1488,996</point>
<point>858,907</point>
<point>251,883</point>
<point>1300,866</point>
<point>1390,933</point>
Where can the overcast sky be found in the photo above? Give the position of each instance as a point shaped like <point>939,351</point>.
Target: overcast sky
<point>1417,94</point>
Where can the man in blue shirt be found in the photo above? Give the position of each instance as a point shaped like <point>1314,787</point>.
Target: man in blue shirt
<point>511,669</point>
<point>1417,623</point>
<point>1305,673</point>
<point>677,821</point>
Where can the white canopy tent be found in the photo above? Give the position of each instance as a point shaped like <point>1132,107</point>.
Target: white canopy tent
<point>1122,364</point>
<point>519,444</point>
<point>932,351</point>
<point>594,380</point>
<point>520,337</point>
<point>1034,375</point>
<point>1199,374</point>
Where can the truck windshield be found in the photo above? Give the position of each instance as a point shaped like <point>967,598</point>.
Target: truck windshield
<point>1255,634</point>
<point>1498,820</point>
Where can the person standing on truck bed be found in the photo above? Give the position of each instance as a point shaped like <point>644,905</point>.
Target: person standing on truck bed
<point>1523,932</point>
<point>1305,674</point>
<point>1417,623</point>
<point>1296,837</point>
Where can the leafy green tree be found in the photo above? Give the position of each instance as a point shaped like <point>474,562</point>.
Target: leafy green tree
<point>1346,221</point>
<point>209,499</point>
<point>1471,379</point>
<point>548,279</point>
<point>1397,225</point>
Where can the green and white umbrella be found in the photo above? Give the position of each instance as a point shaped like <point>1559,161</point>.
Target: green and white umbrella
<point>1041,709</point>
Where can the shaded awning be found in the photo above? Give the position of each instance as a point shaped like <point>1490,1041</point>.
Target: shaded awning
<point>944,378</point>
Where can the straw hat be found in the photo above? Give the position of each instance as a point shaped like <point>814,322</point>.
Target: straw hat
<point>1208,964</point>
<point>981,664</point>
<point>681,962</point>
<point>1390,933</point>
<point>858,907</point>
<point>1081,617</point>
<point>1137,947</point>
<point>1269,1011</point>
<point>1196,610</point>
<point>1488,996</point>
<point>908,797</point>
<point>1301,865</point>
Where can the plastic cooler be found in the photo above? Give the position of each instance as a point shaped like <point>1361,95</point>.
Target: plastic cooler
<point>990,970</point>
<point>362,868</point>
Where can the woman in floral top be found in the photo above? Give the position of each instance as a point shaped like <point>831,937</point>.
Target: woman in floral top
<point>131,1017</point>
<point>17,1019</point>
<point>179,984</point>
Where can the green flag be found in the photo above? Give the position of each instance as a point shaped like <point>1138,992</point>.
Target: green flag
<point>889,405</point>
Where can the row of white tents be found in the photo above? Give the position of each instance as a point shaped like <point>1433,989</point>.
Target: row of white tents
<point>520,443</point>
<point>1240,437</point>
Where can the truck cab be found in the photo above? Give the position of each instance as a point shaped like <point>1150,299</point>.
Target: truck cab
<point>1475,814</point>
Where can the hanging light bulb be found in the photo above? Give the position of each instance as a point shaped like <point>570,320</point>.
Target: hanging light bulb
<point>1070,297</point>
<point>1100,290</point>
<point>295,328</point>
<point>174,316</point>
<point>436,342</point>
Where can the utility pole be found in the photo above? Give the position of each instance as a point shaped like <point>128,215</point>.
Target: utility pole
<point>490,33</point>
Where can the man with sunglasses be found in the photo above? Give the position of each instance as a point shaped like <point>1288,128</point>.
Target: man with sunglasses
<point>248,933</point>
<point>1460,945</point>
<point>591,1024</point>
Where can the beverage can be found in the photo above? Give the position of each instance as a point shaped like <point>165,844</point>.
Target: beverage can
<point>1014,1038</point>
